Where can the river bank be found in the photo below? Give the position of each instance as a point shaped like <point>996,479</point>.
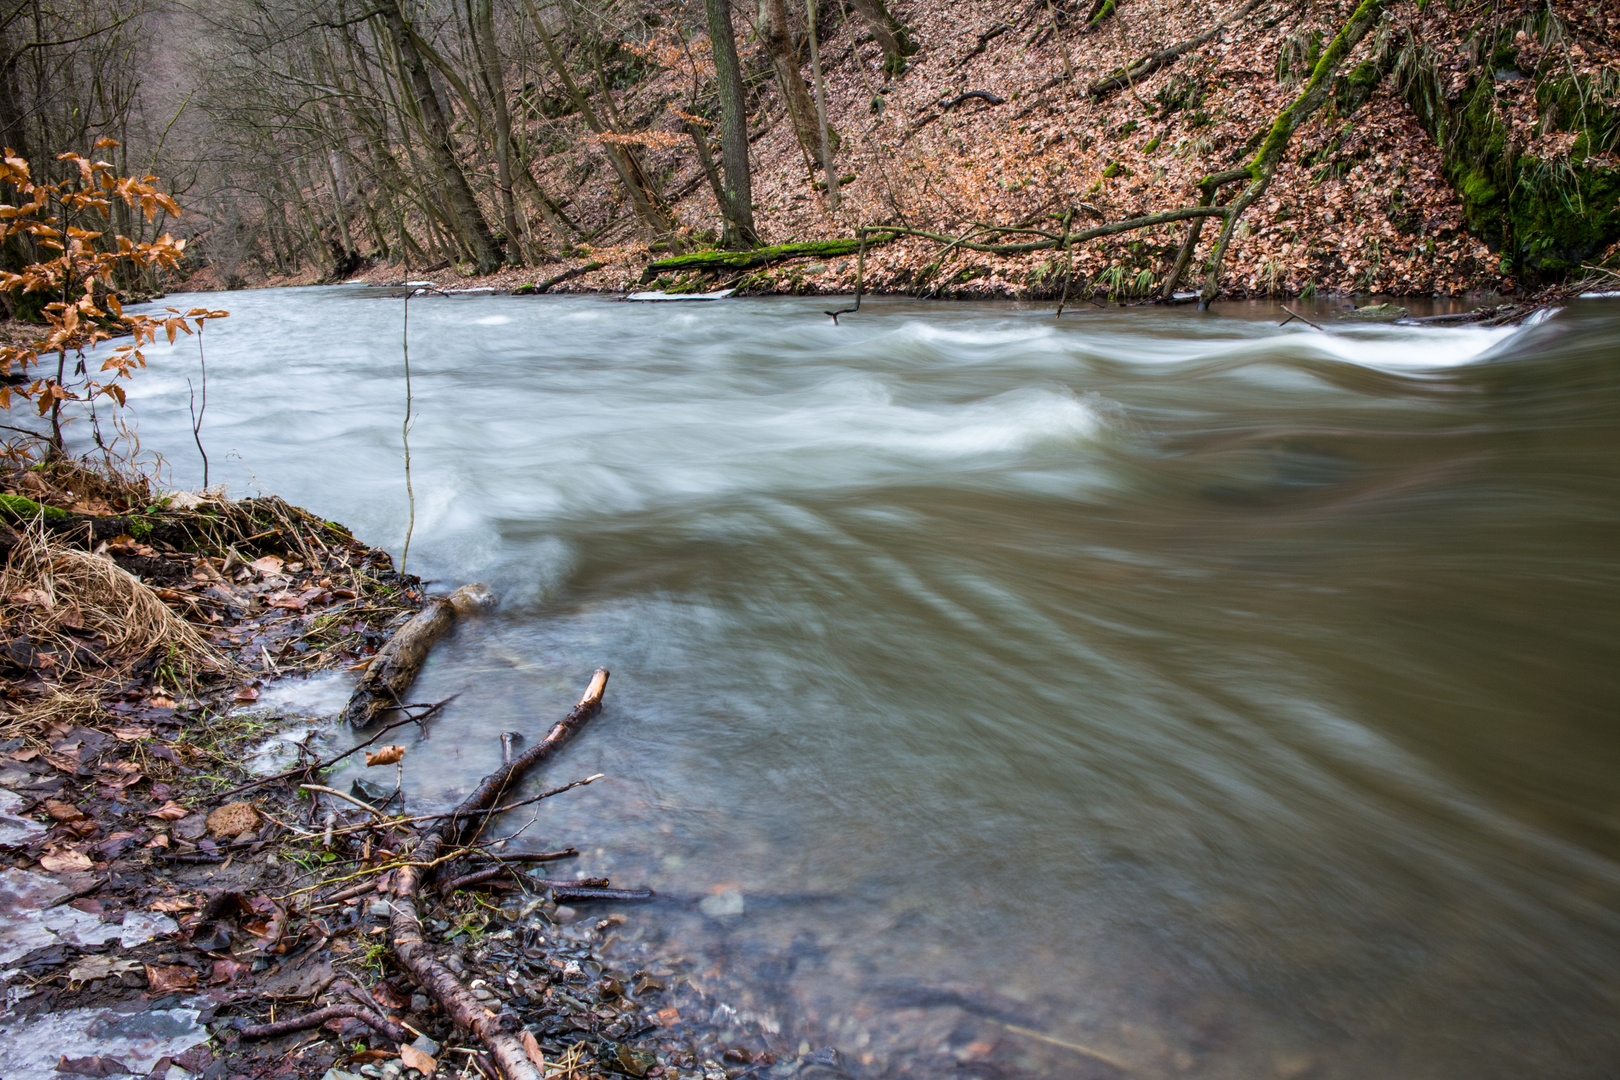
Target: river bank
<point>169,882</point>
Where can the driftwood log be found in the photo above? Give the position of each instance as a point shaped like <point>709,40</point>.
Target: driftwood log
<point>497,1032</point>
<point>383,684</point>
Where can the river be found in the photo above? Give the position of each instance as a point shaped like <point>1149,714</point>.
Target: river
<point>1217,699</point>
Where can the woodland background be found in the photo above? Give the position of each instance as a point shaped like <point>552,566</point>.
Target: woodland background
<point>1465,145</point>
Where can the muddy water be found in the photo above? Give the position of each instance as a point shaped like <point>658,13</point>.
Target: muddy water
<point>1157,688</point>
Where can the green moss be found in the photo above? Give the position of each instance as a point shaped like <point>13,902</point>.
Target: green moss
<point>764,256</point>
<point>1544,217</point>
<point>27,509</point>
<point>140,528</point>
<point>1350,92</point>
<point>1282,129</point>
<point>1153,143</point>
<point>1114,169</point>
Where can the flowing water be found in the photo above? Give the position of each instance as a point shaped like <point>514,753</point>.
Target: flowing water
<point>1216,699</point>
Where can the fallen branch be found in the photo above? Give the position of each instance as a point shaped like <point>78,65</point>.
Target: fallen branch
<point>497,1033</point>
<point>984,41</point>
<point>765,256</point>
<point>546,286</point>
<point>1147,65</point>
<point>383,684</point>
<point>387,1028</point>
<point>983,95</point>
<point>1292,315</point>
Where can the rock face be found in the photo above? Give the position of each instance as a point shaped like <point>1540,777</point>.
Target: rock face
<point>232,820</point>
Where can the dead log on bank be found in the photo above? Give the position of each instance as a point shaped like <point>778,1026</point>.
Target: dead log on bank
<point>383,684</point>
<point>499,1033</point>
<point>762,256</point>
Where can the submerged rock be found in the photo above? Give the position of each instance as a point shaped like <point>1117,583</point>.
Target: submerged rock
<point>1376,313</point>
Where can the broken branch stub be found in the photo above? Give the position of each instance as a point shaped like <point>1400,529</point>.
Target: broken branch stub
<point>383,684</point>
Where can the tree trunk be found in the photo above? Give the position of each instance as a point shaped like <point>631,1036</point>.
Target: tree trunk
<point>1264,165</point>
<point>441,147</point>
<point>649,207</point>
<point>777,35</point>
<point>888,33</point>
<point>829,168</point>
<point>738,206</point>
<point>489,63</point>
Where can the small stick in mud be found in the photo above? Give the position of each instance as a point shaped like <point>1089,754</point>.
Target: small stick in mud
<point>383,684</point>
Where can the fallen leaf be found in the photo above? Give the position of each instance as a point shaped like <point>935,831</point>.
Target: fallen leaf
<point>225,971</point>
<point>64,763</point>
<point>423,1063</point>
<point>92,968</point>
<point>288,601</point>
<point>64,860</point>
<point>247,693</point>
<point>130,734</point>
<point>25,755</point>
<point>386,756</point>
<point>161,979</point>
<point>169,811</point>
<point>531,1046</point>
<point>62,811</point>
<point>172,904</point>
<point>270,564</point>
<point>371,1057</point>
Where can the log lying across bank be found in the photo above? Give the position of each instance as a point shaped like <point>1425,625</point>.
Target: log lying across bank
<point>764,256</point>
<point>383,684</point>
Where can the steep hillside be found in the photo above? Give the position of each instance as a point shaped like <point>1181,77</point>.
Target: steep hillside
<point>1460,148</point>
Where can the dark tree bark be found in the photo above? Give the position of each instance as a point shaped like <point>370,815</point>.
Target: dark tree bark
<point>738,206</point>
<point>649,207</point>
<point>441,147</point>
<point>776,33</point>
<point>887,31</point>
<point>489,66</point>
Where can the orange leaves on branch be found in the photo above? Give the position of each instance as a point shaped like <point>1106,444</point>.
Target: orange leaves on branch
<point>88,262</point>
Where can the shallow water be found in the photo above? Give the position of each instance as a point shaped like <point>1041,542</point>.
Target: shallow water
<point>1226,700</point>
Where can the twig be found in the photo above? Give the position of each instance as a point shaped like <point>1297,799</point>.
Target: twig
<point>389,1030</point>
<point>378,814</point>
<point>317,766</point>
<point>1292,315</point>
<point>860,277</point>
<point>1068,268</point>
<point>405,429</point>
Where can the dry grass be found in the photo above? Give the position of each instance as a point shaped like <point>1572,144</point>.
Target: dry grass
<point>97,622</point>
